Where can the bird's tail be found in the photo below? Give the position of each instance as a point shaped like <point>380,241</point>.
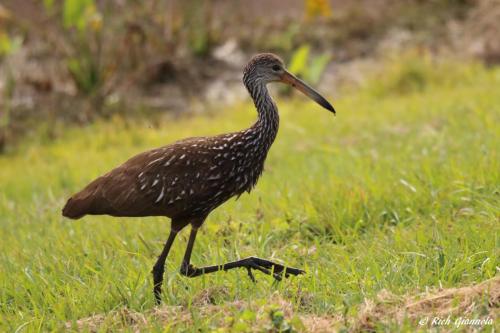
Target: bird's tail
<point>74,208</point>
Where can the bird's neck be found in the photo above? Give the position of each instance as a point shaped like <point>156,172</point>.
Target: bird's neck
<point>266,126</point>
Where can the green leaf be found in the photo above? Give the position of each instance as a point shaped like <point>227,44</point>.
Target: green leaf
<point>298,63</point>
<point>9,44</point>
<point>75,13</point>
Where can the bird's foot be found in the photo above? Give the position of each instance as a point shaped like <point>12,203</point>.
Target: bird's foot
<point>270,268</point>
<point>265,266</point>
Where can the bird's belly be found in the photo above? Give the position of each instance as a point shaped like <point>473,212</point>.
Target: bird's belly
<point>208,202</point>
<point>210,196</point>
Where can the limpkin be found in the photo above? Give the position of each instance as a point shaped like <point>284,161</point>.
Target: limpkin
<point>188,179</point>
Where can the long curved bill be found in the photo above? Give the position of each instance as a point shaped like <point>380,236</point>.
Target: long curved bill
<point>300,85</point>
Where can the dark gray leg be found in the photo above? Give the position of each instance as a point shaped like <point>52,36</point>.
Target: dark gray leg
<point>263,265</point>
<point>159,267</point>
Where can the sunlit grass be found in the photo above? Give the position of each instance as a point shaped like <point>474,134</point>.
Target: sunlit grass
<point>400,191</point>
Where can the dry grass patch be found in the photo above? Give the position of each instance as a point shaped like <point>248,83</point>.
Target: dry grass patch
<point>275,315</point>
<point>279,315</point>
<point>477,301</point>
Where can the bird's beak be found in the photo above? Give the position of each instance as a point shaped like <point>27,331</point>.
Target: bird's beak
<point>300,85</point>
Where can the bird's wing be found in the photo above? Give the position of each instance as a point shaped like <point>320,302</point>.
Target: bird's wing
<point>162,181</point>
<point>174,177</point>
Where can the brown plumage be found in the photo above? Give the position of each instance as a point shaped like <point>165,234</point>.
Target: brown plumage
<point>189,178</point>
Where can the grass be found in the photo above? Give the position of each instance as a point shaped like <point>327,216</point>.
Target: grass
<point>399,193</point>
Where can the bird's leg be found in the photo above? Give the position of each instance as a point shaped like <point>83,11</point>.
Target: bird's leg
<point>263,265</point>
<point>159,267</point>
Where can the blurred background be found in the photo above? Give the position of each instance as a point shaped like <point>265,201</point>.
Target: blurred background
<point>70,62</point>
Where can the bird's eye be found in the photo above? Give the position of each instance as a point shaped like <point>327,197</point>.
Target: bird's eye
<point>276,68</point>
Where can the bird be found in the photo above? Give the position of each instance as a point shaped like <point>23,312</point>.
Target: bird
<point>186,180</point>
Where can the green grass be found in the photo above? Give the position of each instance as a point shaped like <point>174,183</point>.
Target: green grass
<point>400,192</point>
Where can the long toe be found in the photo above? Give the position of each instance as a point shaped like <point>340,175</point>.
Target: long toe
<point>293,271</point>
<point>276,269</point>
<point>253,265</point>
<point>279,269</point>
<point>260,268</point>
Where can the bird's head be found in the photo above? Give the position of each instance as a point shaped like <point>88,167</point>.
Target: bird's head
<point>267,67</point>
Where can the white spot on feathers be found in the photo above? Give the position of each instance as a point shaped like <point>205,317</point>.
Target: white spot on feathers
<point>160,196</point>
<point>156,160</point>
<point>167,163</point>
